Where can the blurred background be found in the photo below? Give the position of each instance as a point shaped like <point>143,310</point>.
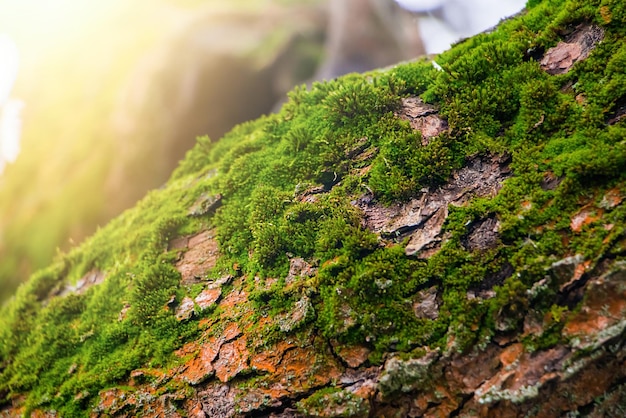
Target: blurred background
<point>100,99</point>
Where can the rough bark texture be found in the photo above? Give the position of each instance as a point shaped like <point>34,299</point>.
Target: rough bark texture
<point>349,257</point>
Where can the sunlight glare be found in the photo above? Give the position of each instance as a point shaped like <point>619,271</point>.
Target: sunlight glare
<point>10,123</point>
<point>8,66</point>
<point>10,130</point>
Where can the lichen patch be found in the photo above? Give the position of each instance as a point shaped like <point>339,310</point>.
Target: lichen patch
<point>291,320</point>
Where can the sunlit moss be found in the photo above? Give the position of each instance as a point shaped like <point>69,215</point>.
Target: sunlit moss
<point>288,183</point>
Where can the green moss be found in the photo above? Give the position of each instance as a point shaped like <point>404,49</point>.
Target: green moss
<point>404,166</point>
<point>416,373</point>
<point>288,183</point>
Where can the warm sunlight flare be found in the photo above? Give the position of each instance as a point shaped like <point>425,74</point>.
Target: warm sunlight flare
<point>10,130</point>
<point>77,58</point>
<point>8,66</point>
<point>9,108</point>
<point>47,34</point>
<point>52,19</point>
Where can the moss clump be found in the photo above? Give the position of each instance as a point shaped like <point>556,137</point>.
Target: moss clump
<point>288,184</point>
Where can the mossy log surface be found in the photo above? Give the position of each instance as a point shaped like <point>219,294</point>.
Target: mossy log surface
<point>427,240</point>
